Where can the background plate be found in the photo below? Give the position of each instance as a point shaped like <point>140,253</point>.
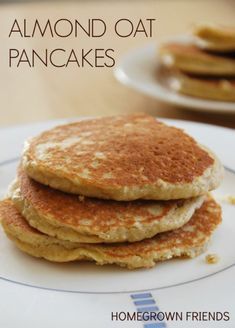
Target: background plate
<point>35,292</point>
<point>139,69</point>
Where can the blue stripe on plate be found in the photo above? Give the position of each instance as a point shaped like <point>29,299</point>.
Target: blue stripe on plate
<point>148,309</point>
<point>147,299</point>
<point>142,295</point>
<point>155,325</point>
<point>145,302</point>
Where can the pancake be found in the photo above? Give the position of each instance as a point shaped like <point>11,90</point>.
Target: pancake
<point>188,241</point>
<point>215,37</point>
<point>210,88</point>
<point>190,59</point>
<point>90,220</point>
<point>122,158</point>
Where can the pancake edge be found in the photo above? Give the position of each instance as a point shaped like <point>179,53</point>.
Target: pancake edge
<point>52,249</point>
<point>161,190</point>
<point>176,217</point>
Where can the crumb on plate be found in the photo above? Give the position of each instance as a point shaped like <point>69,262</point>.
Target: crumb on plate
<point>231,199</point>
<point>212,258</point>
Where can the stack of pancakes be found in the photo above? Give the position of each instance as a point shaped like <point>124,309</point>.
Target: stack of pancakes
<point>126,189</point>
<point>204,68</point>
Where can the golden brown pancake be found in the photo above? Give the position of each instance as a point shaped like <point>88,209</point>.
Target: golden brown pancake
<point>215,37</point>
<point>188,241</point>
<point>122,158</point>
<point>91,220</point>
<point>209,88</point>
<point>190,59</point>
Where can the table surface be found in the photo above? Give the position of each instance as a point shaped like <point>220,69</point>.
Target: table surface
<point>38,94</point>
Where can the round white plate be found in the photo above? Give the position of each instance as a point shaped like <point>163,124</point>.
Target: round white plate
<point>140,69</point>
<point>36,293</point>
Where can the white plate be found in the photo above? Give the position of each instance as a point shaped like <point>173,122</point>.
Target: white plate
<point>139,69</point>
<point>36,293</point>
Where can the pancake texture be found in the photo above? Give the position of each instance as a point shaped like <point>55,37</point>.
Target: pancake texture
<point>94,221</point>
<point>216,89</point>
<point>125,158</point>
<point>188,241</point>
<point>215,38</point>
<point>190,59</point>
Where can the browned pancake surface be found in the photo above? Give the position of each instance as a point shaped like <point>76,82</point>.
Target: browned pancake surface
<point>12,217</point>
<point>194,233</point>
<point>117,151</point>
<point>90,213</point>
<point>188,240</point>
